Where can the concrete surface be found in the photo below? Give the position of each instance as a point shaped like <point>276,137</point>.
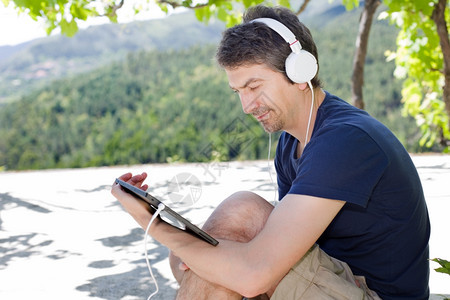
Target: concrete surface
<point>63,236</point>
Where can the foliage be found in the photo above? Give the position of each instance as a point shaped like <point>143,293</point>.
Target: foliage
<point>445,266</point>
<point>65,14</point>
<point>230,11</point>
<point>382,90</point>
<point>419,62</point>
<point>350,4</point>
<point>61,13</point>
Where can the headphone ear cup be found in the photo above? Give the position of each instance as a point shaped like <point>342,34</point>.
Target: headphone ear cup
<point>301,67</point>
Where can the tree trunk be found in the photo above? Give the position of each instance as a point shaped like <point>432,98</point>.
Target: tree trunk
<point>438,17</point>
<point>365,24</point>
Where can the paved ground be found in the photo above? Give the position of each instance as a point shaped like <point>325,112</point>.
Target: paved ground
<point>62,235</point>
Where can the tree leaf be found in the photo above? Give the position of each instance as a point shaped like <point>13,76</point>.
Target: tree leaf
<point>68,28</point>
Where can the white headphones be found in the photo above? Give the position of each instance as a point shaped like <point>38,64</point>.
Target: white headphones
<point>301,66</point>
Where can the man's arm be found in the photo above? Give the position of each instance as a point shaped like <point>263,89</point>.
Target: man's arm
<point>292,228</point>
<point>247,268</point>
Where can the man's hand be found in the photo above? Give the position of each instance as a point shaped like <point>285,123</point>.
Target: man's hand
<point>138,209</point>
<point>136,180</point>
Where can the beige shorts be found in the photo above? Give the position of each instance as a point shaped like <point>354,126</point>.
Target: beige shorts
<point>318,276</point>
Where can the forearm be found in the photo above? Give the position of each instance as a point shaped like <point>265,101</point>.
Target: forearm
<point>220,264</point>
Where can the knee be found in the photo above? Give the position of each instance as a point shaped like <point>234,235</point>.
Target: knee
<point>240,217</point>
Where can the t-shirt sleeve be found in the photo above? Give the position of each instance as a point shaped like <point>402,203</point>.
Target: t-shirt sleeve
<point>283,182</point>
<point>341,163</point>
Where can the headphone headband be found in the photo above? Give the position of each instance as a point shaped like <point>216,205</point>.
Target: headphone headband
<point>283,31</point>
<point>301,66</point>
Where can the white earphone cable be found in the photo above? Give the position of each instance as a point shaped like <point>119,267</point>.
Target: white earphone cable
<point>161,206</point>
<point>269,168</point>
<point>306,139</point>
<point>310,112</point>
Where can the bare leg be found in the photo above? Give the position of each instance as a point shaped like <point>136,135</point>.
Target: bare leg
<point>240,218</point>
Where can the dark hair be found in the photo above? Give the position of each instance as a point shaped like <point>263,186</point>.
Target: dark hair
<point>256,43</point>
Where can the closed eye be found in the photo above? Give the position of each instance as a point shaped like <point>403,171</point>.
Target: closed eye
<point>252,88</point>
<point>252,84</point>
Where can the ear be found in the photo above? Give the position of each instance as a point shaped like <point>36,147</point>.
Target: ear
<point>302,86</point>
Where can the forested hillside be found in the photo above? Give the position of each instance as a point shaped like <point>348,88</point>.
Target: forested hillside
<point>175,105</point>
<point>152,107</point>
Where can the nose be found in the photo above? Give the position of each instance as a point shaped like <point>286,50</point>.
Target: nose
<point>249,102</point>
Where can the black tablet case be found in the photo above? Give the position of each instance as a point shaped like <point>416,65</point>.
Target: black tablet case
<point>167,214</point>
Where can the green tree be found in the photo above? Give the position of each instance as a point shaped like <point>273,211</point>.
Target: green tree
<point>423,61</point>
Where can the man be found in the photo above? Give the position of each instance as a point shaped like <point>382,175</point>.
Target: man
<point>351,223</point>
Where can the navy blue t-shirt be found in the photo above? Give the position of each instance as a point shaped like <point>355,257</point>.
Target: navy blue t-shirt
<point>382,231</point>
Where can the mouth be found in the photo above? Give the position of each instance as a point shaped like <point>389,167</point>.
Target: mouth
<point>263,116</point>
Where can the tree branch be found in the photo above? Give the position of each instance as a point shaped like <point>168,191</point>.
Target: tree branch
<point>176,4</point>
<point>114,8</point>
<point>302,7</point>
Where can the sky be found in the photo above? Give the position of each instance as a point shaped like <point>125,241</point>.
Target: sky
<point>16,29</point>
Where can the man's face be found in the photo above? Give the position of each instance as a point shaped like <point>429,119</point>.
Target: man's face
<point>265,94</point>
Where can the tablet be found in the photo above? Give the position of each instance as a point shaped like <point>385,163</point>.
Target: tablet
<point>167,214</point>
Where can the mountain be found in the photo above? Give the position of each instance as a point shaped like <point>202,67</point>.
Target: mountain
<point>33,64</point>
<point>153,106</point>
<point>8,51</point>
